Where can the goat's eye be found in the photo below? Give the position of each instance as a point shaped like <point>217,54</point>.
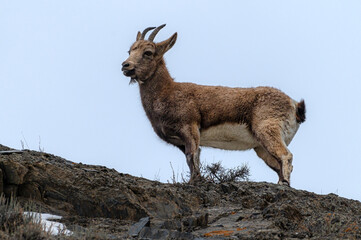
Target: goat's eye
<point>129,52</point>
<point>148,53</point>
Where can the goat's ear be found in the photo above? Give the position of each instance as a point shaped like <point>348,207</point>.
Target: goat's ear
<point>164,46</point>
<point>138,36</point>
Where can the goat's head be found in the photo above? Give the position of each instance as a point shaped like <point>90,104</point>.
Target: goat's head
<point>144,55</point>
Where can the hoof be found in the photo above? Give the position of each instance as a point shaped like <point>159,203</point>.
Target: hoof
<point>195,180</point>
<point>284,183</point>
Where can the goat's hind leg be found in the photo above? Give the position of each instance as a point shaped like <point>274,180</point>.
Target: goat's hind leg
<point>270,161</point>
<point>268,133</point>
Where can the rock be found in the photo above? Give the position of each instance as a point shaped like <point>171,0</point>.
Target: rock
<point>6,152</point>
<point>30,190</point>
<point>10,190</point>
<point>1,181</point>
<point>121,205</point>
<point>136,228</point>
<point>164,234</point>
<point>5,148</point>
<point>14,171</point>
<point>195,221</point>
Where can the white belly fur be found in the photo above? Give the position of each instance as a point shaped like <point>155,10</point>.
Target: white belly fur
<point>228,136</point>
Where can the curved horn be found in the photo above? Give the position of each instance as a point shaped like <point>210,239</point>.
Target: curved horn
<point>152,35</point>
<point>145,32</point>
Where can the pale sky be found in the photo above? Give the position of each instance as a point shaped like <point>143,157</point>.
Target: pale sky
<point>60,80</point>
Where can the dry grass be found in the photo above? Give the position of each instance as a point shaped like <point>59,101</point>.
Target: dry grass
<point>15,225</point>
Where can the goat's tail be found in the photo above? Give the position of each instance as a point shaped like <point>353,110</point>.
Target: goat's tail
<point>301,112</point>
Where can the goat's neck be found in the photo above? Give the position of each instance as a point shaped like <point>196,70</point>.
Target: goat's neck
<point>153,87</point>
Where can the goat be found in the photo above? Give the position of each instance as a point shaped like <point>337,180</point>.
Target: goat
<point>188,115</point>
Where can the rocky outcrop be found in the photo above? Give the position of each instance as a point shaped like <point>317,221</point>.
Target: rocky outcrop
<point>124,206</point>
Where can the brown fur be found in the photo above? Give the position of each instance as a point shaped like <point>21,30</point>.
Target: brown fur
<point>181,112</point>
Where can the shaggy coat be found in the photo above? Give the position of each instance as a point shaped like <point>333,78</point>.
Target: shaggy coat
<point>188,115</point>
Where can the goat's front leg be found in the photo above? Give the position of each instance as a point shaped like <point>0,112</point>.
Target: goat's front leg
<point>191,136</point>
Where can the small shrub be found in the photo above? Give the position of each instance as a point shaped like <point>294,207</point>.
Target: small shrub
<point>216,173</point>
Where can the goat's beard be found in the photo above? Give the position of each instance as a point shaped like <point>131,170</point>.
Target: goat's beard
<point>132,81</point>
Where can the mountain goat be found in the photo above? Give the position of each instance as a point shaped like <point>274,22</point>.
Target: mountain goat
<point>188,115</point>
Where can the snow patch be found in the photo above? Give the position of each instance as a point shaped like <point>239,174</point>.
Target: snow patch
<point>47,221</point>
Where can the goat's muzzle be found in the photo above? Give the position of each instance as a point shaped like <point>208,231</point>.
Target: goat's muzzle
<point>128,69</point>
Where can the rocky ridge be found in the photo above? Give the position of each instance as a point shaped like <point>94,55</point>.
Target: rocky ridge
<point>127,207</point>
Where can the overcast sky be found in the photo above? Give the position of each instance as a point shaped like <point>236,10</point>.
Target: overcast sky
<point>61,88</point>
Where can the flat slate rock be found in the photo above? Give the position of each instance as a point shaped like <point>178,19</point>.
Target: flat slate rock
<point>136,228</point>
